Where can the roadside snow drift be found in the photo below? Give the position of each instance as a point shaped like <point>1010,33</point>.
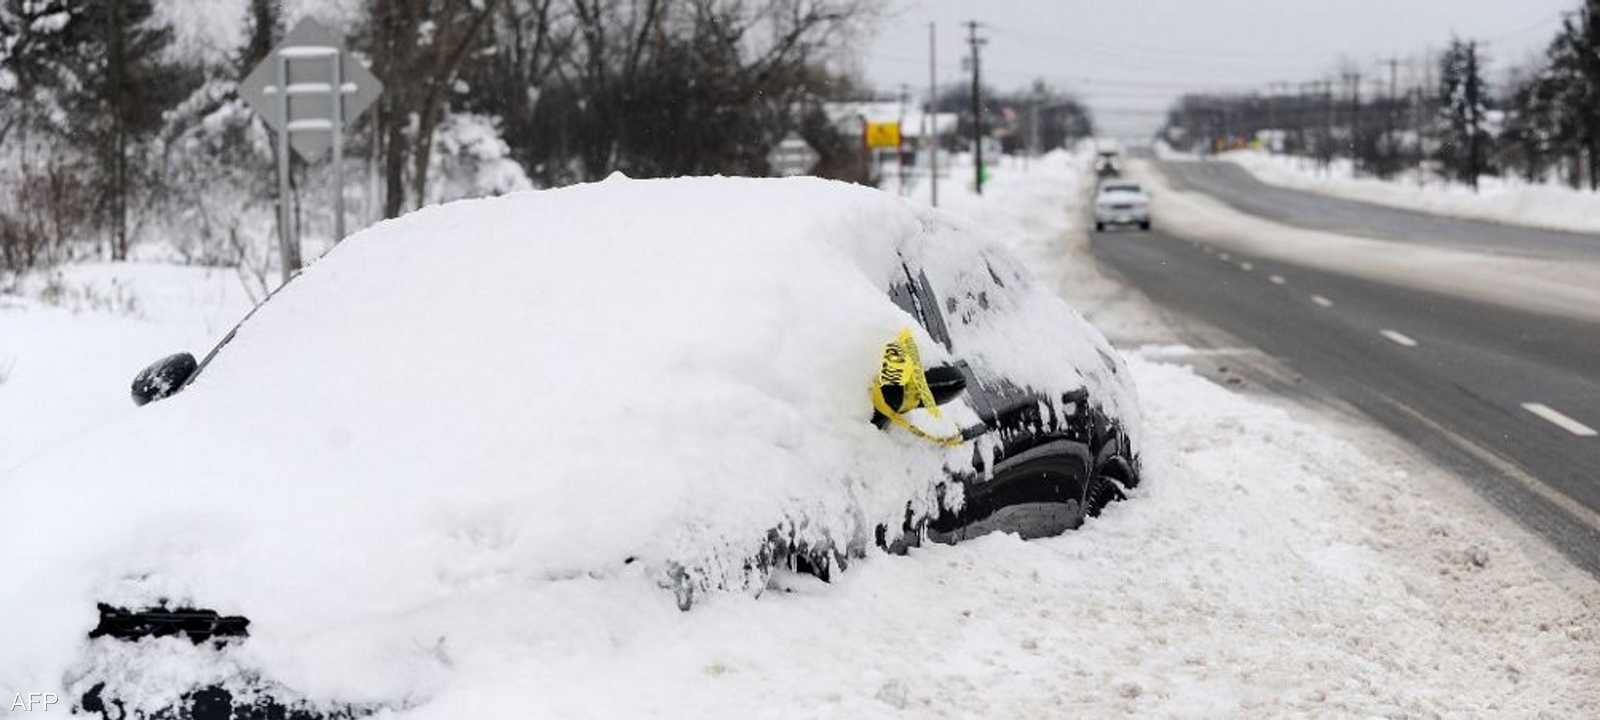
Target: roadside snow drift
<point>1498,199</point>
<point>457,408</point>
<point>1557,287</point>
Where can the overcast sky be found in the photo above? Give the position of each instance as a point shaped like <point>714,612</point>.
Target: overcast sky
<point>1130,58</point>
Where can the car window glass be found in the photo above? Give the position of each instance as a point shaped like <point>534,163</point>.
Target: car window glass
<point>916,296</point>
<point>934,318</point>
<point>980,291</point>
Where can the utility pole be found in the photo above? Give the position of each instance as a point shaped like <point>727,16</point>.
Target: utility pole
<point>1033,129</point>
<point>900,150</point>
<point>1416,127</point>
<point>1327,129</point>
<point>932,136</point>
<point>1304,117</point>
<point>1472,112</point>
<point>1272,116</point>
<point>1430,90</point>
<point>1389,122</point>
<point>1354,78</point>
<point>975,43</point>
<point>1034,99</point>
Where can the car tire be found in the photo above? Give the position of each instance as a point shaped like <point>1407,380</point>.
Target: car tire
<point>1099,226</point>
<point>1038,497</point>
<point>1114,475</point>
<point>1145,226</point>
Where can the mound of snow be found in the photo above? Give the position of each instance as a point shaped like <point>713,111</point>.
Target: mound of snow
<point>1503,200</point>
<point>500,393</point>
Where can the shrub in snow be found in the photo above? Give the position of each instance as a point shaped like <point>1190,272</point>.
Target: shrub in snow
<point>471,160</point>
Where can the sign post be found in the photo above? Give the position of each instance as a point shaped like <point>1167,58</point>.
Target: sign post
<point>307,90</point>
<point>288,234</point>
<point>879,136</point>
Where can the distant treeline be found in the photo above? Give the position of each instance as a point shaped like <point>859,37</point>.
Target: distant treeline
<point>111,136</point>
<point>107,134</point>
<point>1443,119</point>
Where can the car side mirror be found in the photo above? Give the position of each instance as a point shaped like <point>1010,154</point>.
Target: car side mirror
<point>945,382</point>
<point>163,378</point>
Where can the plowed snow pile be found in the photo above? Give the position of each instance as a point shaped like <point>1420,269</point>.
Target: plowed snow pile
<point>1497,199</point>
<point>1268,567</point>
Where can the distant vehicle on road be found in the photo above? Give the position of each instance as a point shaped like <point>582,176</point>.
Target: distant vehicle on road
<point>1121,202</point>
<point>659,383</point>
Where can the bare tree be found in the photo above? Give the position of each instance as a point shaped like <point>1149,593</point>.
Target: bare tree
<point>417,48</point>
<point>656,87</point>
<point>529,37</point>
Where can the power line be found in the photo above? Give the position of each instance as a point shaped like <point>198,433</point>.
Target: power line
<point>1078,79</point>
<point>1541,22</point>
<point>1131,110</point>
<point>1142,52</point>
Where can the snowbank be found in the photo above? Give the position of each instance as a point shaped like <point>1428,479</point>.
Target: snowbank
<point>1502,200</point>
<point>70,345</point>
<point>1567,289</point>
<point>1273,564</point>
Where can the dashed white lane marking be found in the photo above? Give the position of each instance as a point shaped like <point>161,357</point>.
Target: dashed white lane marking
<point>1223,256</point>
<point>1320,300</point>
<point>1247,267</point>
<point>1397,338</point>
<point>1277,280</point>
<point>1492,459</point>
<point>1559,420</point>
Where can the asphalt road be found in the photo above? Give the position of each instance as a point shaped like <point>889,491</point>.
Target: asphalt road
<point>1507,398</point>
<point>1235,186</point>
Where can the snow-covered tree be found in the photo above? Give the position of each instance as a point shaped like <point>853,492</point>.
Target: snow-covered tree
<point>1463,98</point>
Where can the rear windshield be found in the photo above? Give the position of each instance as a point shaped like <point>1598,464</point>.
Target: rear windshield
<point>1121,187</point>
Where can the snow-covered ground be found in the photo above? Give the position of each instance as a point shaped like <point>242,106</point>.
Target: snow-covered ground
<point>72,340</point>
<point>1505,200</point>
<point>1274,563</point>
<point>1037,205</point>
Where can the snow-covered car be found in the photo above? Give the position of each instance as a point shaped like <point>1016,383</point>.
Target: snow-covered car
<point>1121,202</point>
<point>682,385</point>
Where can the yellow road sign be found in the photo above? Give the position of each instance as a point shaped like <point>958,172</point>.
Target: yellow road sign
<point>883,134</point>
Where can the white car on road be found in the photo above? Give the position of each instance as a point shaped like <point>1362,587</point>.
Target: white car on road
<point>1119,202</point>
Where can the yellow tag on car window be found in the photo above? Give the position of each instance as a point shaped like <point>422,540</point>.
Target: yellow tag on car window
<point>902,365</point>
<point>902,369</point>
